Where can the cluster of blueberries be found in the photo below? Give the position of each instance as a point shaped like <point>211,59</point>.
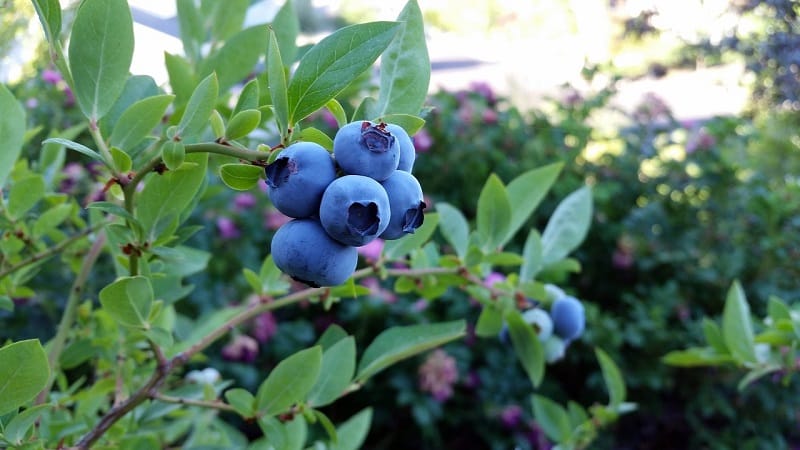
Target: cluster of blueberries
<point>363,192</point>
<point>557,329</point>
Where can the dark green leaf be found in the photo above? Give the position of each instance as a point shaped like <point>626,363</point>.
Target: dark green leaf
<point>615,384</point>
<point>242,400</point>
<point>16,430</point>
<point>568,226</point>
<point>333,334</point>
<point>405,245</point>
<point>100,54</point>
<point>80,148</point>
<point>24,195</point>
<point>552,417</point>
<point>577,414</point>
<point>287,27</point>
<point>713,336</point>
<point>336,373</point>
<point>405,66</point>
<point>24,370</point>
<point>737,329</point>
<point>139,120</point>
<point>49,12</point>
<point>199,108</point>
<point>333,63</point>
<point>12,132</point>
<point>526,191</point>
<point>241,177</point>
<point>532,256</point>
<point>454,227</point>
<point>276,76</point>
<point>494,213</point>
<point>237,58</point>
<point>490,322</point>
<point>398,343</point>
<point>354,431</point>
<point>289,381</point>
<point>527,346</point>
<point>6,303</point>
<point>128,300</point>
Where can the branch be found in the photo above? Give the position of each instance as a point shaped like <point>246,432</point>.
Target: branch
<point>214,404</point>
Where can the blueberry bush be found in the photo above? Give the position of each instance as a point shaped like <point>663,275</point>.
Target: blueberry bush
<point>109,241</point>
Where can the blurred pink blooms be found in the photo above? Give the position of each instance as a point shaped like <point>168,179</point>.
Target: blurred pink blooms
<point>242,348</point>
<point>227,228</point>
<point>422,141</point>
<point>372,251</point>
<point>438,374</point>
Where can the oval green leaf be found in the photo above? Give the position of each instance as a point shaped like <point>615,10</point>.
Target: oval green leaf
<point>199,108</point>
<point>737,327</point>
<point>338,368</point>
<point>454,227</point>
<point>568,226</point>
<point>526,191</point>
<point>128,300</point>
<point>612,376</point>
<point>276,78</point>
<point>400,247</point>
<point>242,123</point>
<point>527,346</point>
<point>12,132</point>
<point>235,60</point>
<point>240,177</point>
<point>552,417</point>
<point>24,372</point>
<point>494,213</point>
<point>173,153</point>
<point>139,120</point>
<point>289,381</point>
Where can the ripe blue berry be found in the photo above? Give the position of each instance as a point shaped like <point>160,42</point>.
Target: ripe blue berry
<point>302,250</point>
<point>569,318</point>
<point>405,201</point>
<point>298,178</point>
<point>364,148</point>
<point>407,152</point>
<point>354,210</point>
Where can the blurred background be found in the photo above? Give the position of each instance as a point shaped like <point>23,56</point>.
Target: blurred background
<point>683,115</point>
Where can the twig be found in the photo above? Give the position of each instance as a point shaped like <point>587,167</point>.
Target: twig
<point>215,404</point>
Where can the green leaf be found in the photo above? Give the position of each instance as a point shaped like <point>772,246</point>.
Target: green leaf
<point>121,161</point>
<point>408,122</point>
<point>527,346</point>
<point>405,66</point>
<point>454,227</point>
<point>568,226</point>
<point>191,28</point>
<point>24,372</point>
<point>494,213</point>
<point>316,136</point>
<point>217,124</point>
<point>164,197</point>
<point>52,218</point>
<point>137,87</point>
<point>248,98</point>
<point>289,381</point>
<point>138,121</point>
<point>203,326</point>
<point>12,132</point>
<point>242,400</point>
<point>525,193</point>
<point>777,310</point>
<point>49,12</point>
<point>16,430</point>
<point>490,321</point>
<point>503,259</point>
<point>100,54</point>
<point>24,195</point>
<point>272,280</point>
<point>737,329</point>
<point>327,425</point>
<point>364,109</point>
<point>173,153</point>
<point>338,368</point>
<point>410,242</point>
<point>80,148</point>
<point>612,376</point>
<point>353,432</point>
<point>335,62</point>
<point>182,79</point>
<point>226,17</point>
<point>6,303</point>
<point>755,374</point>
<point>242,124</point>
<point>398,343</point>
<point>713,336</point>
<point>276,77</point>
<point>241,177</point>
<point>696,357</point>
<point>286,25</point>
<point>337,111</point>
<point>333,334</point>
<point>237,58</point>
<point>552,417</point>
<point>532,256</point>
<point>577,414</point>
<point>199,108</point>
<point>128,300</point>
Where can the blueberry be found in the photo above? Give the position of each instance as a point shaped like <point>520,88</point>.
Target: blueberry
<point>569,318</point>
<point>354,210</point>
<point>407,152</point>
<point>540,321</point>
<point>302,250</point>
<point>298,178</point>
<point>364,148</point>
<point>405,200</point>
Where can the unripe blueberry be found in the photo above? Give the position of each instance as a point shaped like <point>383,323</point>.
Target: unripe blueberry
<point>407,152</point>
<point>554,349</point>
<point>364,148</point>
<point>302,250</point>
<point>298,178</point>
<point>354,210</point>
<point>569,318</point>
<point>541,321</point>
<point>405,200</point>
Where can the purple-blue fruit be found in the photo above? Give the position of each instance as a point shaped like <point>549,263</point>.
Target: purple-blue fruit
<point>354,210</point>
<point>405,201</point>
<point>302,250</point>
<point>569,318</point>
<point>365,148</point>
<point>407,152</point>
<point>298,178</point>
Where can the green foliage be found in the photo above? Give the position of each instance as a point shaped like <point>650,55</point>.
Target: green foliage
<point>25,370</point>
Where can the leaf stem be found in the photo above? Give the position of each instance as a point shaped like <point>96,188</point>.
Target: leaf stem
<point>214,404</point>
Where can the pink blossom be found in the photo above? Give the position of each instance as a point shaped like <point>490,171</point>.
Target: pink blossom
<point>420,305</point>
<point>483,89</point>
<point>69,98</point>
<point>227,228</point>
<point>489,116</point>
<point>329,119</point>
<point>51,76</point>
<point>511,415</point>
<point>372,251</point>
<point>701,139</point>
<point>422,141</point>
<point>438,374</point>
<point>264,327</point>
<point>241,348</point>
<point>244,200</point>
<point>273,219</point>
<point>31,103</point>
<point>374,285</point>
<point>493,278</point>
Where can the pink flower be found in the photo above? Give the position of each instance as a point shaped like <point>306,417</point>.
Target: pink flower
<point>51,76</point>
<point>244,200</point>
<point>701,139</point>
<point>273,219</point>
<point>227,228</point>
<point>241,348</point>
<point>420,305</point>
<point>493,278</point>
<point>329,119</point>
<point>264,327</point>
<point>372,251</point>
<point>422,141</point>
<point>489,116</point>
<point>374,285</point>
<point>483,89</point>
<point>438,374</point>
<point>69,98</point>
<point>511,415</point>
